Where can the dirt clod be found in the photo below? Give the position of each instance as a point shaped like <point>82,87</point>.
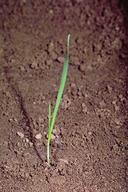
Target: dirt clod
<point>20,134</point>
<point>38,136</point>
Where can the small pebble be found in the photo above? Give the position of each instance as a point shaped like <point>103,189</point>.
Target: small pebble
<point>27,140</point>
<point>38,136</point>
<point>31,144</point>
<point>114,102</point>
<point>60,59</point>
<point>82,68</point>
<point>64,160</point>
<point>85,50</point>
<point>84,108</point>
<point>117,108</point>
<point>34,65</point>
<point>109,88</point>
<point>20,134</point>
<point>89,133</point>
<point>51,11</point>
<point>117,121</point>
<point>50,47</point>
<point>121,98</point>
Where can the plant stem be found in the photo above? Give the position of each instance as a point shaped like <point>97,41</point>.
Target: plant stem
<point>48,152</point>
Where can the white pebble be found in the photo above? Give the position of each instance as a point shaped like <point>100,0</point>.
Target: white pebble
<point>38,136</point>
<point>60,59</point>
<point>27,140</point>
<point>21,135</point>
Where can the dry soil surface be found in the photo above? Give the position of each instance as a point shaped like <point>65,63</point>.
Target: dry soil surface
<point>89,141</point>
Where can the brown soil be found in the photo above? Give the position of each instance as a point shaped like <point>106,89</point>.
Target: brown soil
<point>90,137</point>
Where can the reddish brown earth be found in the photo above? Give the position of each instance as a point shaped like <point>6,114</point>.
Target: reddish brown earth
<point>90,137</point>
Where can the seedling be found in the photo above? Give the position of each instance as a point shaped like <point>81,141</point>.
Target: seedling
<point>53,115</point>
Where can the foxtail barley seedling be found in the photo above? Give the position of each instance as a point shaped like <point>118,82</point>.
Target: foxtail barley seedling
<point>53,115</point>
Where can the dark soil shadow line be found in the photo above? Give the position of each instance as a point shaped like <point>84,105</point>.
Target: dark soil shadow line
<point>26,123</point>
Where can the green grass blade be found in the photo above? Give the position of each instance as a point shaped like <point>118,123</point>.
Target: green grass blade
<point>52,118</point>
<point>59,97</point>
<point>49,116</point>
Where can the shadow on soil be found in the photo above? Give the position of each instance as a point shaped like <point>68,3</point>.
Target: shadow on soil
<point>27,123</point>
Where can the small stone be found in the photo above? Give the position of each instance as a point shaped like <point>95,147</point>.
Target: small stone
<point>82,67</point>
<point>51,12</point>
<point>50,47</point>
<point>31,144</point>
<point>114,102</point>
<point>85,50</point>
<point>117,108</point>
<point>85,95</point>
<point>27,140</point>
<point>34,65</point>
<point>27,175</point>
<point>73,85</point>
<point>117,28</point>
<point>64,161</point>
<point>60,59</point>
<point>117,121</point>
<point>109,88</point>
<point>121,97</point>
<point>38,136</point>
<point>84,108</point>
<point>89,133</point>
<point>20,134</point>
